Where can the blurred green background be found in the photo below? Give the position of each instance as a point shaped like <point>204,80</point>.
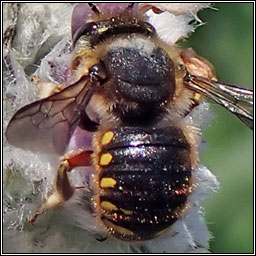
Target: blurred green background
<point>226,40</point>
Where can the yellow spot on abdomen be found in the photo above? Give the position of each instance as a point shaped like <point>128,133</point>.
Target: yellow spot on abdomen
<point>115,228</point>
<point>107,182</point>
<point>105,159</point>
<point>127,212</point>
<point>197,97</point>
<point>107,137</point>
<point>106,205</point>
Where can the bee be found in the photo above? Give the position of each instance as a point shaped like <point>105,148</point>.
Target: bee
<point>131,95</point>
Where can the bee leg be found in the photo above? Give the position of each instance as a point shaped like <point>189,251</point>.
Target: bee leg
<point>76,159</point>
<point>63,188</point>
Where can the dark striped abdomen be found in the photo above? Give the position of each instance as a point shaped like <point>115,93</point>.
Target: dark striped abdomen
<point>144,180</point>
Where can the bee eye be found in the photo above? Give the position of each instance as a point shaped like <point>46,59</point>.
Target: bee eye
<point>98,72</point>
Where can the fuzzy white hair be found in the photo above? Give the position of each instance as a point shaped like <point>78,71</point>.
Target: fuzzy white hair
<point>43,37</point>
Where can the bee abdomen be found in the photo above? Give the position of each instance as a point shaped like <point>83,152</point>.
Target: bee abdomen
<point>144,180</point>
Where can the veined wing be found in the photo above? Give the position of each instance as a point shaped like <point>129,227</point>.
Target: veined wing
<point>47,124</point>
<point>237,100</point>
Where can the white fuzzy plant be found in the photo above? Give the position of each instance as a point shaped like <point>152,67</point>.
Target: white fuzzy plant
<point>40,47</point>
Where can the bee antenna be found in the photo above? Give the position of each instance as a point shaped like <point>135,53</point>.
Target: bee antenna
<point>130,6</point>
<point>94,8</point>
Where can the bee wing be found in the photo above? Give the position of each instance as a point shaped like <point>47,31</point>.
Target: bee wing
<point>237,100</point>
<point>46,125</point>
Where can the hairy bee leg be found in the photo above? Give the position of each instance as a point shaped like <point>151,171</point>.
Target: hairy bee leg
<point>63,191</point>
<point>63,188</point>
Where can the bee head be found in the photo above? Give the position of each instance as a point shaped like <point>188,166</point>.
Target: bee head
<point>136,73</point>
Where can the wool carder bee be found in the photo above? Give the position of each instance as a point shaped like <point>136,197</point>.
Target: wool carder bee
<point>131,94</point>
